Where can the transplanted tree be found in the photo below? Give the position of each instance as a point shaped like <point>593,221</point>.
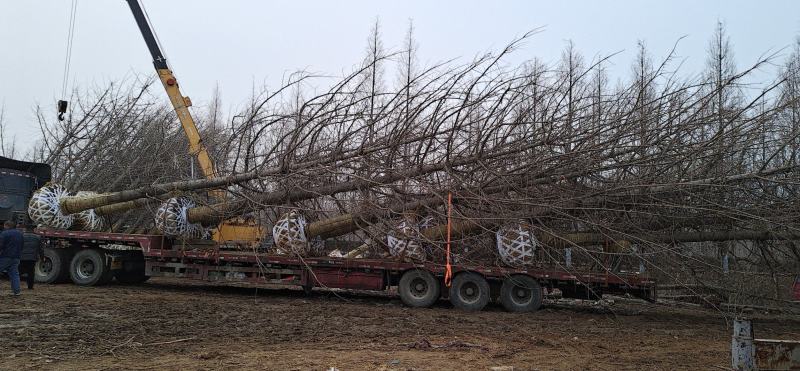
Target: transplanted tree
<point>7,149</point>
<point>720,78</point>
<point>408,70</point>
<point>599,84</point>
<point>790,103</point>
<point>645,94</point>
<point>572,71</point>
<point>531,117</point>
<point>373,74</point>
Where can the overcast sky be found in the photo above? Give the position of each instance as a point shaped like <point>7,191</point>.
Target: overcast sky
<point>236,44</point>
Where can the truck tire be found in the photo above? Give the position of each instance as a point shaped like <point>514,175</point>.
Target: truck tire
<point>419,288</point>
<point>53,266</point>
<point>469,291</point>
<point>521,293</point>
<point>89,268</point>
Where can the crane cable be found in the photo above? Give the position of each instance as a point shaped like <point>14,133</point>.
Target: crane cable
<point>62,104</point>
<point>153,30</point>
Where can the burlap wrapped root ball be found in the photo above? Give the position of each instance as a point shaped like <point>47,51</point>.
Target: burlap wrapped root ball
<point>44,207</point>
<point>172,221</point>
<point>516,244</point>
<point>289,236</point>
<point>404,242</point>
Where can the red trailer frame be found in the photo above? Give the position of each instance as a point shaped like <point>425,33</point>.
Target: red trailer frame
<point>211,262</point>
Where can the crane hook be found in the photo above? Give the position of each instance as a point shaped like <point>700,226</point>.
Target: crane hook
<point>62,109</point>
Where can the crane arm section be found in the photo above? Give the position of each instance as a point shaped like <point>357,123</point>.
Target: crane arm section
<point>180,103</point>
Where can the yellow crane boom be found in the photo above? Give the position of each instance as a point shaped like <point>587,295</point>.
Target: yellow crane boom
<point>179,102</point>
<point>230,230</point>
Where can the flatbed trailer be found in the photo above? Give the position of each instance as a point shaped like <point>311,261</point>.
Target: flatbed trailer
<point>94,258</point>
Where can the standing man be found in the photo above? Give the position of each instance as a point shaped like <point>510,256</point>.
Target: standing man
<point>10,249</point>
<point>31,248</point>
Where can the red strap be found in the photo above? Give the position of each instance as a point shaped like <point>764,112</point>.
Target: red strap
<point>448,271</point>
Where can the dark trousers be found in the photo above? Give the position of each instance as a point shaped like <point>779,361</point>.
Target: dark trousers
<point>26,268</point>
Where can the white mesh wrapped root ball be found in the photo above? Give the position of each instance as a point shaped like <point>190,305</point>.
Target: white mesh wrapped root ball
<point>289,235</point>
<point>171,219</point>
<point>428,222</point>
<point>516,244</point>
<point>403,242</point>
<point>88,220</point>
<point>44,207</point>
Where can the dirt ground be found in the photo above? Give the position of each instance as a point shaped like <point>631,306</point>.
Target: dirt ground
<point>168,324</point>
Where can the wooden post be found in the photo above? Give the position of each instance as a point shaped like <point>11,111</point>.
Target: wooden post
<point>743,352</point>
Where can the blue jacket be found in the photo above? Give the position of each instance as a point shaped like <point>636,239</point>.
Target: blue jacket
<point>10,243</point>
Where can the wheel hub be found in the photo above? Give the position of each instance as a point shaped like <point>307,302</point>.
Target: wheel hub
<point>522,295</point>
<point>419,287</point>
<point>470,292</point>
<point>86,269</point>
<point>46,265</point>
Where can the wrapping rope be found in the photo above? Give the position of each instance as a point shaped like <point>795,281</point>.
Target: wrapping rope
<point>289,236</point>
<point>516,244</point>
<point>171,219</point>
<point>44,208</point>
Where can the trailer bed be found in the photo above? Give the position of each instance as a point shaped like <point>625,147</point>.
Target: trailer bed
<point>211,262</point>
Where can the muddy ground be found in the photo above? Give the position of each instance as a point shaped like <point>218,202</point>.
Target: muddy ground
<point>168,324</point>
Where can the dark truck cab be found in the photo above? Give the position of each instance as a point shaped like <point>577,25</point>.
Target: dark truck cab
<point>18,181</point>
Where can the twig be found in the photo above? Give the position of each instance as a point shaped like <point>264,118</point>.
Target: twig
<point>170,342</point>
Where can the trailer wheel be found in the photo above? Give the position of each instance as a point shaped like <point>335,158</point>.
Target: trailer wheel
<point>469,291</point>
<point>521,293</point>
<point>52,266</point>
<point>89,268</point>
<point>419,288</point>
